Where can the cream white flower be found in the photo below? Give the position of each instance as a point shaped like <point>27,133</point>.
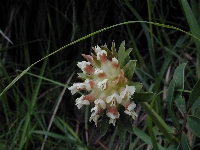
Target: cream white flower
<point>101,53</point>
<point>97,49</point>
<point>128,91</point>
<point>82,65</point>
<point>100,102</point>
<point>98,71</point>
<point>95,118</point>
<point>112,98</point>
<point>80,102</point>
<point>80,86</point>
<point>130,110</point>
<point>97,110</point>
<point>102,84</point>
<point>85,85</point>
<point>113,114</point>
<point>73,88</point>
<point>106,84</point>
<point>115,60</point>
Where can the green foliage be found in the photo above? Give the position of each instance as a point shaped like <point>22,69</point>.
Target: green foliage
<point>29,98</point>
<point>121,131</point>
<point>194,124</point>
<point>179,77</point>
<point>184,142</point>
<point>175,90</point>
<point>129,69</point>
<point>138,86</point>
<point>144,137</point>
<point>104,124</point>
<point>194,27</point>
<point>180,103</point>
<point>195,95</point>
<point>125,120</point>
<point>139,97</point>
<point>122,54</point>
<point>170,100</point>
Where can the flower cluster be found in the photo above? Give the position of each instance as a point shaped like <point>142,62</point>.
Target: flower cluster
<point>106,84</point>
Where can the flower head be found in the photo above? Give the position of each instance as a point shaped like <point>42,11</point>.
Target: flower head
<point>108,84</point>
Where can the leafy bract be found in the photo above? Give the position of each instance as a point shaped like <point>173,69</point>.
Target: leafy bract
<point>104,124</point>
<point>139,97</point>
<point>123,55</point>
<point>129,69</point>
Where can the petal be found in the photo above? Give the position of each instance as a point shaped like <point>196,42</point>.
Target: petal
<point>131,113</point>
<point>102,56</point>
<point>98,71</point>
<point>109,98</point>
<point>94,118</point>
<point>114,62</point>
<point>97,49</point>
<point>128,91</point>
<point>95,109</point>
<point>113,110</point>
<point>113,121</point>
<point>88,57</point>
<point>131,106</point>
<point>112,113</point>
<point>80,86</point>
<point>83,64</point>
<point>130,110</point>
<point>96,113</point>
<point>87,85</point>
<point>89,97</point>
<point>84,86</point>
<point>92,84</point>
<point>131,89</point>
<point>85,67</point>
<point>101,102</point>
<point>118,98</point>
<point>123,93</point>
<point>73,88</point>
<point>80,102</point>
<point>114,97</point>
<point>102,84</point>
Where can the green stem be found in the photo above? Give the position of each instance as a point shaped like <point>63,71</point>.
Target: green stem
<point>25,133</point>
<point>164,128</point>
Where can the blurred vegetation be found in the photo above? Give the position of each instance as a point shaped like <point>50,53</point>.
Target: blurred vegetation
<point>38,28</point>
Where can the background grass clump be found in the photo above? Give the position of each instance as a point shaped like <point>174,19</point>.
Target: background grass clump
<point>37,112</point>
